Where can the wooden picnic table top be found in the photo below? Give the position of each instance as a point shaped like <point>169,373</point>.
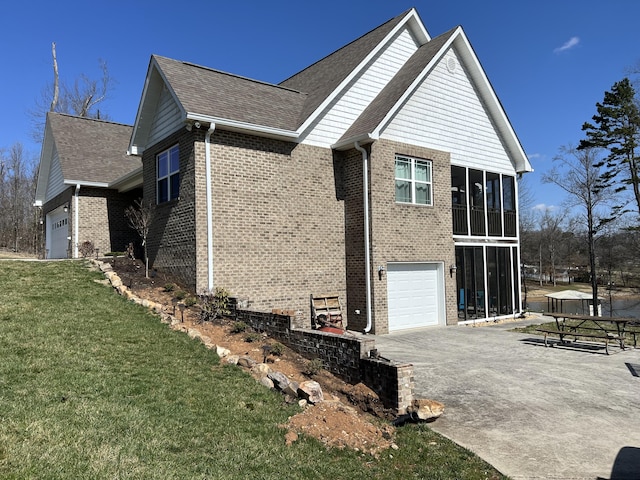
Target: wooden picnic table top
<point>574,316</point>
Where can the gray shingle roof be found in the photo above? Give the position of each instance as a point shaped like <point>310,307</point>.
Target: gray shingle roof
<point>91,150</point>
<point>391,93</point>
<point>323,77</point>
<point>211,92</point>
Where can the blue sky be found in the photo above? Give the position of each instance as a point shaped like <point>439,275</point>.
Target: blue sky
<point>549,61</point>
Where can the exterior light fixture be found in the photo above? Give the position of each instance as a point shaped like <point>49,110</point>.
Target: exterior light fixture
<point>453,269</point>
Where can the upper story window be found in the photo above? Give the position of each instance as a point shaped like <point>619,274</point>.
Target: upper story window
<point>168,174</point>
<point>413,181</point>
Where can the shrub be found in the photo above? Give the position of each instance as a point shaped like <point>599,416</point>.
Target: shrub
<point>180,295</point>
<point>238,327</point>
<point>252,337</point>
<point>277,349</point>
<point>86,248</point>
<point>214,305</point>
<point>169,287</point>
<point>190,301</point>
<point>312,367</point>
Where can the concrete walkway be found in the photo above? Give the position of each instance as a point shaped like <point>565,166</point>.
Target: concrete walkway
<point>531,412</point>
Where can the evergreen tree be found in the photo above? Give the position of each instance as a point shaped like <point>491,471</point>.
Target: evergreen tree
<point>616,128</point>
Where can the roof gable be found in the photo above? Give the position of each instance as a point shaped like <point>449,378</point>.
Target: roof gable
<point>89,151</point>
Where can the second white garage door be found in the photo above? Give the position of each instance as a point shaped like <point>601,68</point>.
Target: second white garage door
<point>415,295</point>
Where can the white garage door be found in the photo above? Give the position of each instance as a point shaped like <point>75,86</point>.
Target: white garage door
<point>58,232</point>
<point>415,295</point>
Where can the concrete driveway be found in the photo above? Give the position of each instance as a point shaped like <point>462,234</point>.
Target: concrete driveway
<point>531,412</point>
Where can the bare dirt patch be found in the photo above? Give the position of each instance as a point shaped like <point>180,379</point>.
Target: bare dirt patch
<point>351,416</point>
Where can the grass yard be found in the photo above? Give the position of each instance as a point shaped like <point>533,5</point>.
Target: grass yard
<point>95,387</point>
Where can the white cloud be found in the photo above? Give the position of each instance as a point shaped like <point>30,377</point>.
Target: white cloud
<point>568,45</point>
<point>533,156</point>
<point>543,207</point>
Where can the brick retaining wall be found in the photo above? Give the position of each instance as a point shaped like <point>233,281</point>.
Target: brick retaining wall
<point>346,356</point>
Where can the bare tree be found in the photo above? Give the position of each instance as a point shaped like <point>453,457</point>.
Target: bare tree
<point>577,174</point>
<point>81,98</point>
<point>140,216</point>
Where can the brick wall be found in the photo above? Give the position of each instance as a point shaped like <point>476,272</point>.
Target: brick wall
<point>172,236</point>
<point>409,233</point>
<point>101,218</point>
<point>278,223</point>
<point>344,355</point>
<point>399,233</point>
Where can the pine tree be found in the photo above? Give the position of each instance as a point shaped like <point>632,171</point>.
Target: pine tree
<point>616,128</point>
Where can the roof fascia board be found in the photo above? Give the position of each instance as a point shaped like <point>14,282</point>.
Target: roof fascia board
<point>349,142</point>
<point>44,166</point>
<point>153,67</point>
<point>128,181</point>
<point>82,183</point>
<point>410,19</point>
<point>243,126</point>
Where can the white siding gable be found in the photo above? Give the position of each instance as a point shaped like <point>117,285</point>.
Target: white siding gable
<point>445,113</point>
<point>346,108</point>
<point>55,182</point>
<point>167,118</point>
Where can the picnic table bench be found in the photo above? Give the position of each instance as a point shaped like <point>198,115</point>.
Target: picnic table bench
<point>576,326</point>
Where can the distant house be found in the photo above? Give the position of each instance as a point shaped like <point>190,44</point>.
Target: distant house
<point>85,181</point>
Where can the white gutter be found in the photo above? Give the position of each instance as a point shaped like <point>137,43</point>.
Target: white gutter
<point>207,166</point>
<point>233,124</point>
<point>75,220</point>
<point>367,251</point>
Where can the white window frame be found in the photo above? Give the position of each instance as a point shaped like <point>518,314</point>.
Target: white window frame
<point>170,173</point>
<point>412,181</point>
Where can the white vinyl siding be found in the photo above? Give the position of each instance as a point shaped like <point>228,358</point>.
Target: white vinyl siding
<point>55,183</point>
<point>167,118</point>
<point>351,103</point>
<point>445,113</point>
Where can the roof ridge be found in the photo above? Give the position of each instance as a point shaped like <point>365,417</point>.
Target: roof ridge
<point>70,115</point>
<point>229,74</point>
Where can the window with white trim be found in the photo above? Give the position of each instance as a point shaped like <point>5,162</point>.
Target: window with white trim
<point>168,174</point>
<point>413,181</point>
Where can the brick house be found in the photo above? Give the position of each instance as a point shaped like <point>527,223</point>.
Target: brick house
<point>385,172</point>
<point>85,182</point>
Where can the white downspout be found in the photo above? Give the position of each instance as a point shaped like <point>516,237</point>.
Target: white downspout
<point>367,250</point>
<point>207,166</point>
<point>75,220</point>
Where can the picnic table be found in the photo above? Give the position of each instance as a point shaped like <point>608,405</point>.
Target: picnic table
<point>589,326</point>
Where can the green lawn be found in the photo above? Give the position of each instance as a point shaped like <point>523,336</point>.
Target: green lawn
<point>93,387</point>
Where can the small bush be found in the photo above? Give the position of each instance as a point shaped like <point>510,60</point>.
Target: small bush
<point>169,287</point>
<point>214,305</point>
<point>86,248</point>
<point>252,337</point>
<point>180,295</point>
<point>312,367</point>
<point>277,349</point>
<point>190,301</point>
<point>238,327</point>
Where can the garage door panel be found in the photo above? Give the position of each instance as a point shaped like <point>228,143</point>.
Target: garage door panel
<point>413,295</point>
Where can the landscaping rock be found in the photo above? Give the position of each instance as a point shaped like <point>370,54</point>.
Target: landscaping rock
<point>261,370</point>
<point>232,359</point>
<point>311,392</point>
<point>222,352</point>
<point>279,379</point>
<point>246,362</point>
<point>291,389</point>
<point>424,409</point>
<point>266,381</point>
